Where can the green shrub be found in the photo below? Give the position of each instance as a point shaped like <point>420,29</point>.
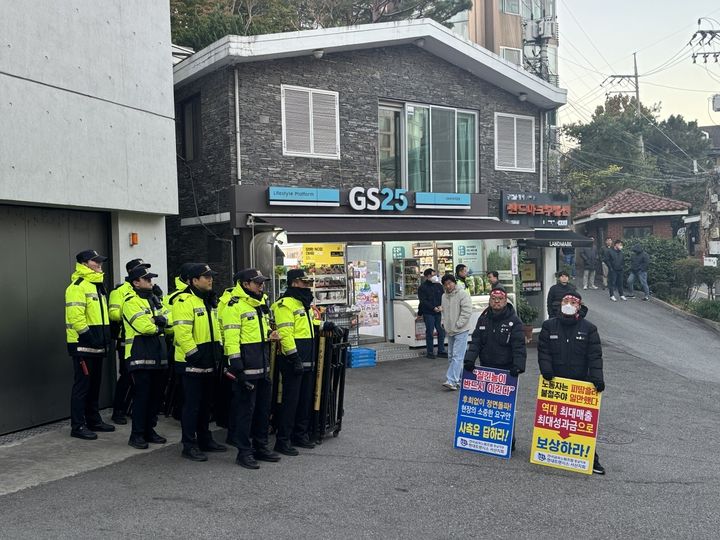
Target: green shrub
<point>663,253</point>
<point>707,309</point>
<point>686,274</point>
<point>498,261</point>
<point>661,289</point>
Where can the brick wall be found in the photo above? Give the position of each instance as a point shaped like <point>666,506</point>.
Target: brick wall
<point>614,228</point>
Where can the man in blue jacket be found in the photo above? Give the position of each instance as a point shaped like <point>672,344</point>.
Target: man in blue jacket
<point>430,309</point>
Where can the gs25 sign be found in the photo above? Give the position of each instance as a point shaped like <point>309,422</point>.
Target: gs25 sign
<point>378,199</point>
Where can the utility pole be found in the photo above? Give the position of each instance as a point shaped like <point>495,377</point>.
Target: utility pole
<point>634,79</point>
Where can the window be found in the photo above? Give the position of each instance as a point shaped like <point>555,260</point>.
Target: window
<point>310,123</point>
<point>637,232</point>
<point>514,142</point>
<point>187,128</point>
<point>512,55</point>
<point>389,147</point>
<point>537,9</point>
<point>511,6</point>
<point>441,149</point>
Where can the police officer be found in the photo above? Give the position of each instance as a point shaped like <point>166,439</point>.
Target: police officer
<point>498,340</point>
<point>145,355</point>
<point>246,328</point>
<point>569,346</point>
<point>123,387</point>
<point>296,324</point>
<point>198,350</point>
<point>88,338</point>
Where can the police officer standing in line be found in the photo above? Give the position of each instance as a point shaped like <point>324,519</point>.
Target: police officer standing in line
<point>145,355</point>
<point>246,331</point>
<point>88,338</point>
<point>296,324</point>
<point>498,340</point>
<point>198,350</point>
<point>115,307</point>
<point>569,346</point>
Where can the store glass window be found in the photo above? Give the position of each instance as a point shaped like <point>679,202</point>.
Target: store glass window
<point>637,232</point>
<point>418,147</point>
<point>441,149</point>
<point>389,148</point>
<point>514,142</point>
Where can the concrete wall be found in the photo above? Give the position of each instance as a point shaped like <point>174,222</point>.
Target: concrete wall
<point>151,247</point>
<point>87,105</point>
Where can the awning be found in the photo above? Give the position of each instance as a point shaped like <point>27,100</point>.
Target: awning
<point>377,229</point>
<point>558,239</point>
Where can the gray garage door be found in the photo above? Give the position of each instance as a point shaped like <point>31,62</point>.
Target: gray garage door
<point>38,247</point>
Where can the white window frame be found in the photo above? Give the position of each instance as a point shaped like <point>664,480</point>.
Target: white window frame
<point>520,52</point>
<point>405,179</point>
<point>312,153</point>
<point>515,117</point>
<point>519,11</point>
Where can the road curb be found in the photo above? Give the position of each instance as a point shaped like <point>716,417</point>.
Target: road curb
<point>687,315</point>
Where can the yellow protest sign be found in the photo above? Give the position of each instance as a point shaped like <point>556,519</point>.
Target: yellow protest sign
<point>566,422</point>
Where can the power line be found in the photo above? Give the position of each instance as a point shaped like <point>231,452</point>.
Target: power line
<point>586,35</point>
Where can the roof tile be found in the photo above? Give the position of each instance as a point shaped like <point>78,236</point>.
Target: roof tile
<point>633,201</point>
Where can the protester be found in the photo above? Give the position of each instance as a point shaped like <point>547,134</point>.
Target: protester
<point>569,346</point>
<point>557,292</point>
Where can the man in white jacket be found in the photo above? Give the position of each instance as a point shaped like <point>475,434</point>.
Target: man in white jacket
<point>456,311</point>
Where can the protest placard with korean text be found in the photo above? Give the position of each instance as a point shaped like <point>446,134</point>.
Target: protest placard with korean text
<point>486,412</point>
<point>566,422</point>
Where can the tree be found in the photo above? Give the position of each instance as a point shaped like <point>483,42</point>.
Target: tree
<point>607,156</point>
<point>197,23</point>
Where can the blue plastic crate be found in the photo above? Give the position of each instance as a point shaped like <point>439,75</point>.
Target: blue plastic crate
<point>362,353</point>
<point>362,364</point>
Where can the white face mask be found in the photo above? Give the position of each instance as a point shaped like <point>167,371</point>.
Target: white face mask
<point>568,309</point>
<point>435,279</point>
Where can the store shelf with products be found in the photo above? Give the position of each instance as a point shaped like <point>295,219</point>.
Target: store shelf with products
<point>328,289</point>
<point>406,278</point>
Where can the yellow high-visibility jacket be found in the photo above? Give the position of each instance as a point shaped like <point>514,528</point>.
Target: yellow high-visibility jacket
<point>144,341</point>
<point>296,327</point>
<point>86,314</point>
<point>246,325</point>
<point>198,345</point>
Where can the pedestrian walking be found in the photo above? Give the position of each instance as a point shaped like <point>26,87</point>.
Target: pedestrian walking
<point>88,338</point>
<point>639,264</point>
<point>456,312</point>
<point>604,255</point>
<point>589,258</point>
<point>247,336</point>
<point>123,386</point>
<point>569,346</point>
<point>296,325</point>
<point>557,292</point>
<point>198,351</point>
<point>498,340</point>
<point>616,266</point>
<point>144,321</point>
<point>430,294</point>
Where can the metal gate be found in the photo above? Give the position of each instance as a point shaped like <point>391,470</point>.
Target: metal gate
<point>38,247</point>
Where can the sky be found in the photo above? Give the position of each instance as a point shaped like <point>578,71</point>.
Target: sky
<point>597,39</point>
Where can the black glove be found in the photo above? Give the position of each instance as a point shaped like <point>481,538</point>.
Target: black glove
<point>89,340</point>
<point>192,360</point>
<point>548,376</point>
<point>469,365</point>
<point>296,362</point>
<point>599,386</point>
<point>160,321</point>
<point>157,291</point>
<point>514,371</point>
<point>329,326</point>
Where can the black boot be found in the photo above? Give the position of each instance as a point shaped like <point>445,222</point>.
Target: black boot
<point>264,454</point>
<point>247,461</point>
<point>136,441</point>
<point>193,454</point>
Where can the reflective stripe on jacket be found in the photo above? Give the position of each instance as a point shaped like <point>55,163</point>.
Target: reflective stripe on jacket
<point>245,330</point>
<point>87,330</point>
<point>144,342</point>
<point>198,346</point>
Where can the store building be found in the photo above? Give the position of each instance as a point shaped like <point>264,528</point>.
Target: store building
<point>387,145</point>
<point>86,159</point>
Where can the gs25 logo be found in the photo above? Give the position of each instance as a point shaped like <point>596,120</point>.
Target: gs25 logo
<point>378,199</point>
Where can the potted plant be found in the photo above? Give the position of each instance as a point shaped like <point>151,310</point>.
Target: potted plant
<point>527,314</point>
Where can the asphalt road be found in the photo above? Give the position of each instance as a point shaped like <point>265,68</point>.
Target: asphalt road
<point>392,472</point>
